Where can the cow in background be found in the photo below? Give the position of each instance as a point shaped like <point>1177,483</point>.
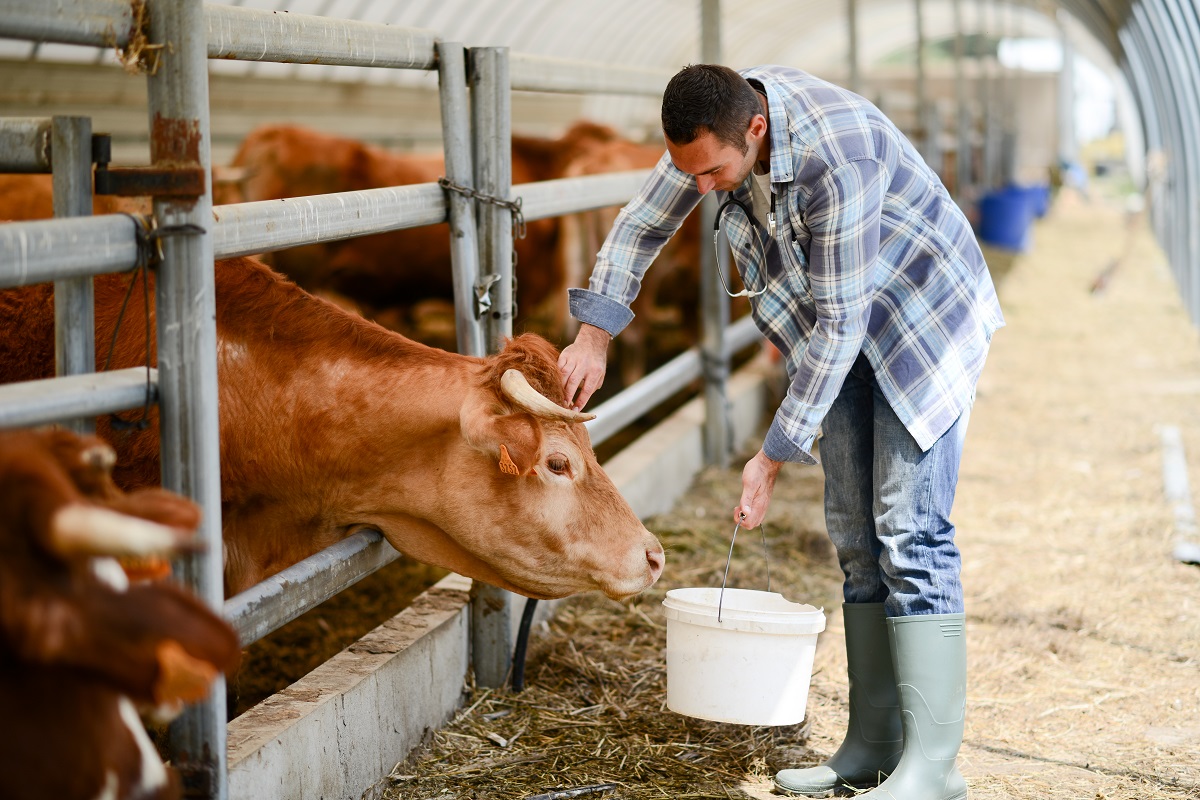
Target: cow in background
<point>410,269</point>
<point>81,649</point>
<point>330,424</point>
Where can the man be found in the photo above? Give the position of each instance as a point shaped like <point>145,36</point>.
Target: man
<point>865,274</point>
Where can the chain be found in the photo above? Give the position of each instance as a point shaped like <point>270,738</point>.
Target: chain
<point>483,289</point>
<point>512,205</point>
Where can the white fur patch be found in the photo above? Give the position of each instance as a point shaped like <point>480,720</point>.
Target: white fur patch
<point>111,784</point>
<point>154,774</point>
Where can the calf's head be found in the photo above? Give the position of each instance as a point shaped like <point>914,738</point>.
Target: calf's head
<point>542,514</point>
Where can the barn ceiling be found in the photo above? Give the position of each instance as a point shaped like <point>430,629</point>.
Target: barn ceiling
<point>1150,49</point>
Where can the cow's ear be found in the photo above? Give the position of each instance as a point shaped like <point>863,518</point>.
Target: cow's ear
<point>513,440</point>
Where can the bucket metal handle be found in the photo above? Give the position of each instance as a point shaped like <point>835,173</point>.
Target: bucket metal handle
<point>766,556</point>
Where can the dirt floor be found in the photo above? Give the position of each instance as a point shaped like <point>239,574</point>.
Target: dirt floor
<point>1084,633</point>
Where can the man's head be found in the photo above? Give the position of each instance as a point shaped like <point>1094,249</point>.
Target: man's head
<point>714,125</point>
<point>712,98</point>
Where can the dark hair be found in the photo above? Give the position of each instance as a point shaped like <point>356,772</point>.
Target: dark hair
<point>709,97</point>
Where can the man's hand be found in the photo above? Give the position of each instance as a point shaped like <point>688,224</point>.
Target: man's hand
<point>758,481</point>
<point>582,364</point>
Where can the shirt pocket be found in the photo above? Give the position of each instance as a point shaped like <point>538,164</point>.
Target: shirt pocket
<point>796,249</point>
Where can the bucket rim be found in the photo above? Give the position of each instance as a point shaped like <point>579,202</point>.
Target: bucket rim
<point>787,617</point>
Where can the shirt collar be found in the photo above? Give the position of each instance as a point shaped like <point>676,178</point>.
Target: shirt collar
<point>781,145</point>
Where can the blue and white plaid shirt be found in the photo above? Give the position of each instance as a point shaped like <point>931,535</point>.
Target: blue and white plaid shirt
<point>870,254</point>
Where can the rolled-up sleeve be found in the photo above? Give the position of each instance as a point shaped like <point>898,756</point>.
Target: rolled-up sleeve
<point>640,231</point>
<point>843,216</point>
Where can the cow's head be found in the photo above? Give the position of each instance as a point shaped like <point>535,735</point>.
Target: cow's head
<point>65,601</point>
<point>545,516</point>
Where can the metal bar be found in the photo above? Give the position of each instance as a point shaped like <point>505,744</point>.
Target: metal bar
<point>185,298</point>
<point>229,32</point>
<point>50,400</point>
<point>620,410</point>
<point>572,195</point>
<point>53,249</point>
<point>286,595</point>
<point>532,73</point>
<point>74,298</point>
<point>491,607</point>
<point>103,23</point>
<point>714,303</point>
<point>962,159</point>
<point>464,252</point>
<point>249,34</point>
<point>852,51</point>
<point>25,144</point>
<point>43,250</point>
<point>247,228</point>
<point>922,129</point>
<point>492,133</point>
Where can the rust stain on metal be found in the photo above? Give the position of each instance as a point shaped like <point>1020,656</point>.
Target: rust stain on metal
<point>175,144</point>
<point>176,140</point>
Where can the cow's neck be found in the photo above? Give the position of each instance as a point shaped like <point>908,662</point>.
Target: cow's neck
<point>315,428</point>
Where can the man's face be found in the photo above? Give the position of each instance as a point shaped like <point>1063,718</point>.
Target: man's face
<point>717,164</point>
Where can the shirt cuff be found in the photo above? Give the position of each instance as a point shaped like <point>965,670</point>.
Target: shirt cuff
<point>596,309</point>
<point>778,447</point>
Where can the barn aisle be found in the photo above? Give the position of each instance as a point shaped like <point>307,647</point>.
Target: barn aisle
<point>1084,645</point>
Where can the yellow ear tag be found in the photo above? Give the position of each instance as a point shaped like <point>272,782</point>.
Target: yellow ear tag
<point>506,464</point>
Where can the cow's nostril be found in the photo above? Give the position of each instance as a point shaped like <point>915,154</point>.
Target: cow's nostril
<point>656,559</point>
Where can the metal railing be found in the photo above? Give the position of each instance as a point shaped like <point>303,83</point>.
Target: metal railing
<point>71,251</point>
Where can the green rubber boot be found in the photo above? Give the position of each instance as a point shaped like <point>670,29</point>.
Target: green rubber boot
<point>873,737</point>
<point>930,654</point>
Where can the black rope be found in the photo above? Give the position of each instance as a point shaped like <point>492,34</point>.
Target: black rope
<point>518,669</point>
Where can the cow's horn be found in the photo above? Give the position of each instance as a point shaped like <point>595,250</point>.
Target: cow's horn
<point>517,388</point>
<point>84,530</point>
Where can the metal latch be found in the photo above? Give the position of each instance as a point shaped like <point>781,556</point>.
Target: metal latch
<point>184,180</point>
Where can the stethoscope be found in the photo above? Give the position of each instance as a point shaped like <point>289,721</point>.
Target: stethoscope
<point>755,225</point>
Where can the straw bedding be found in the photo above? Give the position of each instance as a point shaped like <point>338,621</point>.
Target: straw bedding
<point>1084,635</point>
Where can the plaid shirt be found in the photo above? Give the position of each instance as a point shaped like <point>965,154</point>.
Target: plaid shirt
<point>870,254</point>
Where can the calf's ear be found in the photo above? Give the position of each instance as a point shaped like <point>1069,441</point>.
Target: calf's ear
<point>514,441</point>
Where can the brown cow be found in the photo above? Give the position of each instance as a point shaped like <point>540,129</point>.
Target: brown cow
<point>80,648</point>
<point>28,197</point>
<point>330,424</point>
<point>402,267</point>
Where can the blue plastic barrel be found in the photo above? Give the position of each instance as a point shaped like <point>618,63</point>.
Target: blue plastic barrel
<point>1039,198</point>
<point>1004,218</point>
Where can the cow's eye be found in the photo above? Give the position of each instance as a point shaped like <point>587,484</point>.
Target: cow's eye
<point>558,464</point>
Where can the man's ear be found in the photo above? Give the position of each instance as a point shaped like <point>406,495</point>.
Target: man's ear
<point>513,440</point>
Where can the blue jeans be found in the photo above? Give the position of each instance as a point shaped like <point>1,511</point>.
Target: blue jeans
<point>887,504</point>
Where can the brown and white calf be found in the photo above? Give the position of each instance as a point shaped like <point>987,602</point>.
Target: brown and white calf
<point>82,650</point>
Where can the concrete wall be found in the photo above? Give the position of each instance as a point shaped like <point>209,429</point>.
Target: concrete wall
<point>343,727</point>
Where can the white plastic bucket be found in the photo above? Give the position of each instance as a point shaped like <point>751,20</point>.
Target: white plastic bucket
<point>751,668</point>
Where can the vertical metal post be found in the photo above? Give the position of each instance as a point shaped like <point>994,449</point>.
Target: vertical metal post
<point>1008,78</point>
<point>491,105</point>
<point>456,141</point>
<point>1067,148</point>
<point>187,349</point>
<point>852,43</point>
<point>74,298</point>
<point>962,162</point>
<point>922,116</point>
<point>491,132</point>
<point>718,428</point>
<point>991,161</point>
